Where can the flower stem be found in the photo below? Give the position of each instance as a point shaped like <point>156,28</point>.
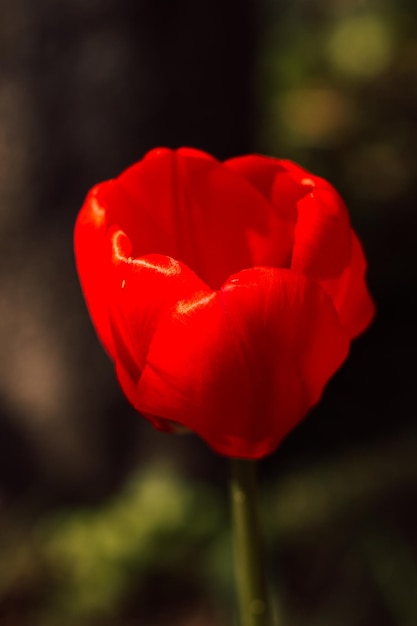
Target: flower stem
<point>249,572</point>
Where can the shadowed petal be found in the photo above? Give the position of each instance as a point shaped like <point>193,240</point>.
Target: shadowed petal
<point>350,294</point>
<point>322,242</point>
<point>259,170</point>
<point>271,179</point>
<point>282,193</point>
<point>322,245</point>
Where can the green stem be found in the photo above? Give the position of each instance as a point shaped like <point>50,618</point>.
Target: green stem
<point>250,577</point>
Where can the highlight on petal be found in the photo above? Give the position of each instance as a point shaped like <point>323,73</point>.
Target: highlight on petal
<point>242,366</point>
<point>92,261</point>
<point>140,291</point>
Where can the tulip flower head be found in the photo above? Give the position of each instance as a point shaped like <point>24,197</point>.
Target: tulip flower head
<point>226,294</point>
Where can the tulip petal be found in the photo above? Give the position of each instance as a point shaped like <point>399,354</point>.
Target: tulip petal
<point>241,366</point>
<point>350,294</point>
<point>327,250</point>
<point>259,170</point>
<point>272,180</point>
<point>322,242</point>
<point>298,173</point>
<point>194,153</point>
<point>322,246</point>
<point>91,260</point>
<point>198,341</point>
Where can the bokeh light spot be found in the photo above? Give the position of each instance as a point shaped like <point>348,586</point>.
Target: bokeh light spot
<point>315,116</point>
<point>361,46</point>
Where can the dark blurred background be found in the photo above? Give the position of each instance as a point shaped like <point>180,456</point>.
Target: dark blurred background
<point>104,521</point>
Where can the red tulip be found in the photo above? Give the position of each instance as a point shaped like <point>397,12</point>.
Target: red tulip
<point>226,294</point>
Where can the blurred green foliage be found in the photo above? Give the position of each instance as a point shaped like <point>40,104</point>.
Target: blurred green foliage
<point>331,558</point>
<point>156,521</point>
<point>88,559</point>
